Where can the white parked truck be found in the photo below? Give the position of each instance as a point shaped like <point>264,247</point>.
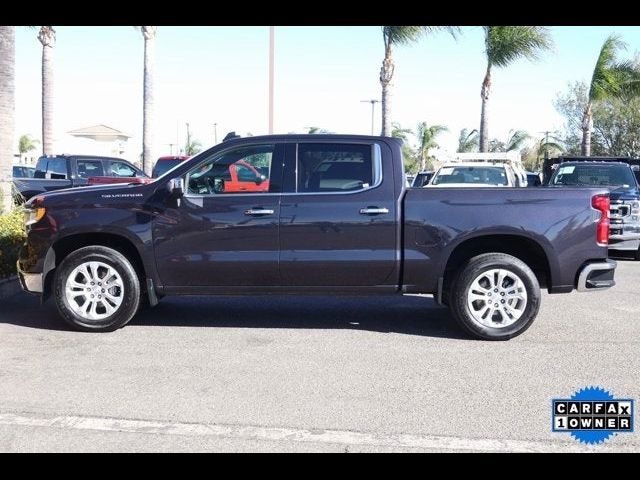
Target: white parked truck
<point>496,169</point>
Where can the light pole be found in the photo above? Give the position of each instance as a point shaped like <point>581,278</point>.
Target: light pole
<point>215,133</point>
<point>373,102</point>
<point>186,146</point>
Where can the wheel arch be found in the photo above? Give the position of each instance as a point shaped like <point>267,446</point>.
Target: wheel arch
<point>522,247</point>
<point>62,247</point>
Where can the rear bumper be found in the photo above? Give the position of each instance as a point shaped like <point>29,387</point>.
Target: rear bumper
<point>596,276</point>
<point>30,282</point>
<point>624,242</point>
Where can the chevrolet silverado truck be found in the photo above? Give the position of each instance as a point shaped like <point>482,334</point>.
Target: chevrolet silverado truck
<point>57,172</point>
<point>617,174</point>
<point>337,218</point>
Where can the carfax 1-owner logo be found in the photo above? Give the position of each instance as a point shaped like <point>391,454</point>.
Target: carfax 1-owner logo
<point>592,415</point>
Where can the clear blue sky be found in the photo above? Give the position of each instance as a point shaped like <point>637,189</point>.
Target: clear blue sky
<point>208,75</point>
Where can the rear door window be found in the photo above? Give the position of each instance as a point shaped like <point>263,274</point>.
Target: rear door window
<point>331,167</point>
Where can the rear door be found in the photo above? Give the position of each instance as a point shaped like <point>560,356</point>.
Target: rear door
<point>338,214</point>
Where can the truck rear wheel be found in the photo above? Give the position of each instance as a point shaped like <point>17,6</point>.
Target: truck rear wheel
<point>96,289</point>
<point>495,296</point>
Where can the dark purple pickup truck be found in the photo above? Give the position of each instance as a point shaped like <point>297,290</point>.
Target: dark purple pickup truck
<point>337,219</point>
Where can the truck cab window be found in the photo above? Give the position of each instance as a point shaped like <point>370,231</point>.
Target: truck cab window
<point>57,168</point>
<point>90,168</point>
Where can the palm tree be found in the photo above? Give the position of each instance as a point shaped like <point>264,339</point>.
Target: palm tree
<point>504,45</point>
<point>398,132</point>
<point>551,144</point>
<point>7,112</point>
<point>609,80</point>
<point>26,144</point>
<point>47,37</point>
<point>427,140</point>
<point>516,141</point>
<point>192,147</point>
<point>467,140</point>
<point>392,36</point>
<point>408,153</point>
<point>148,118</point>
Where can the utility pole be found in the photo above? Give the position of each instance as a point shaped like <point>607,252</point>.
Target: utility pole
<point>272,35</point>
<point>373,102</point>
<point>186,146</point>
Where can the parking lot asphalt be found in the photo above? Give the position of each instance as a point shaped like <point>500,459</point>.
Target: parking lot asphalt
<point>311,374</point>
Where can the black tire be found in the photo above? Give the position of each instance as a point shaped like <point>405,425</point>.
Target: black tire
<point>473,269</point>
<point>637,254</point>
<point>130,292</point>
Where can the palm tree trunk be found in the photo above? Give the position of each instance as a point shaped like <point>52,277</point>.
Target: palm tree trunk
<point>484,120</point>
<point>587,126</point>
<point>148,122</point>
<point>47,37</point>
<point>423,161</point>
<point>7,113</point>
<point>386,77</point>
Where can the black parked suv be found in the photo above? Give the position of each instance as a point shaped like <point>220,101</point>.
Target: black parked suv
<point>615,173</point>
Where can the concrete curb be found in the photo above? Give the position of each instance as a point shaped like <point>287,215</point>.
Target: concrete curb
<point>9,287</point>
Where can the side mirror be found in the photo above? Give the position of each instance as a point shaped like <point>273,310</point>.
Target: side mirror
<point>260,179</point>
<point>176,187</point>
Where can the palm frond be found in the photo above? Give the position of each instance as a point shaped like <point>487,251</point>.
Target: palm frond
<point>398,132</point>
<point>516,140</point>
<point>612,78</point>
<point>403,34</point>
<point>427,136</point>
<point>467,140</point>
<point>505,44</point>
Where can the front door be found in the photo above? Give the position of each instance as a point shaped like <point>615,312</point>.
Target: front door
<point>224,232</point>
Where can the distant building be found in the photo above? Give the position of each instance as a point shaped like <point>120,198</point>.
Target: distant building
<point>98,140</point>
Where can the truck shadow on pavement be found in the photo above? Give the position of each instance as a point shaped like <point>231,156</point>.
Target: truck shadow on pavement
<point>388,314</point>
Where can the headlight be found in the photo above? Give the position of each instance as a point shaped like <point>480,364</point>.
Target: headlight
<point>34,215</point>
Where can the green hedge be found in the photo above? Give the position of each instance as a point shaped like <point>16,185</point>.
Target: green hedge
<point>11,239</point>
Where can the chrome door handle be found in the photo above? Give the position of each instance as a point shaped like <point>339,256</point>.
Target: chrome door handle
<point>257,212</point>
<point>373,211</point>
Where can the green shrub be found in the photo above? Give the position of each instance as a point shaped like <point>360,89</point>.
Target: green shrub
<point>12,237</point>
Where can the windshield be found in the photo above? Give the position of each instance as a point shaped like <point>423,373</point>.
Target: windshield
<point>471,175</point>
<point>600,175</point>
<point>163,166</point>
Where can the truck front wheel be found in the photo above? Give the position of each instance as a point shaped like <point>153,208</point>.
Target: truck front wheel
<point>495,296</point>
<point>96,289</point>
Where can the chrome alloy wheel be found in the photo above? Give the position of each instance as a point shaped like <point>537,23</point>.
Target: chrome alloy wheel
<point>497,298</point>
<point>94,290</point>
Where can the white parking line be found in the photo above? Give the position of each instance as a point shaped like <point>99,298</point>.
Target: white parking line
<point>342,437</point>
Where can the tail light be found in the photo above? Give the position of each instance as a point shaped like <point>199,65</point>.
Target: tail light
<point>602,204</point>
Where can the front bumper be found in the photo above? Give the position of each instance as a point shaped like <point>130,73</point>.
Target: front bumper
<point>597,276</point>
<point>30,282</point>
